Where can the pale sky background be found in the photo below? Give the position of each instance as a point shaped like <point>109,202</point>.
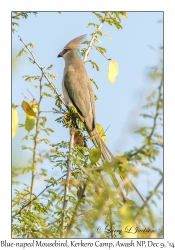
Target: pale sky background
<point>5,98</point>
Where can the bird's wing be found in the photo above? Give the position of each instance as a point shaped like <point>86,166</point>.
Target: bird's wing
<point>79,93</point>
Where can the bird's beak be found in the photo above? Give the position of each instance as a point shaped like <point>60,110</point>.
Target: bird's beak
<point>60,54</point>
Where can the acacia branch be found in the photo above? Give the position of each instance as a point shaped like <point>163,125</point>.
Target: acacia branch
<point>35,145</point>
<point>149,197</point>
<point>117,186</point>
<point>66,187</point>
<point>94,35</point>
<point>75,212</point>
<point>149,137</point>
<point>22,13</point>
<point>44,74</point>
<point>111,222</point>
<point>157,109</point>
<point>28,203</point>
<point>101,54</point>
<point>125,181</point>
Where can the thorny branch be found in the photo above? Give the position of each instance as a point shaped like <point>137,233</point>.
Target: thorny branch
<point>157,109</point>
<point>35,145</point>
<point>93,36</point>
<point>44,74</point>
<point>75,213</point>
<point>71,141</point>
<point>149,197</point>
<point>66,188</point>
<point>22,13</point>
<point>154,122</point>
<point>28,203</point>
<point>101,53</point>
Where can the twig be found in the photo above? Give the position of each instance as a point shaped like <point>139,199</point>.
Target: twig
<point>139,194</point>
<point>158,144</point>
<point>85,212</point>
<point>158,51</point>
<point>111,222</point>
<point>157,109</point>
<point>26,97</point>
<point>117,186</point>
<point>101,53</point>
<point>75,213</point>
<point>46,111</point>
<point>22,13</point>
<point>35,145</point>
<point>44,74</point>
<point>125,181</point>
<point>66,187</point>
<point>149,197</point>
<point>27,204</point>
<point>154,122</point>
<point>32,95</point>
<point>93,36</point>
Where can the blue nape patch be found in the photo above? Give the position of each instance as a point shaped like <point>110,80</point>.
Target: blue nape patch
<point>79,55</point>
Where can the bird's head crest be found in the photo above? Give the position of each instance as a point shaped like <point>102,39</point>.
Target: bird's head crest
<point>75,43</point>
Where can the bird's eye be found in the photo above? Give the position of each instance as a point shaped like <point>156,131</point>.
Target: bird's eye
<point>61,54</point>
<point>65,51</point>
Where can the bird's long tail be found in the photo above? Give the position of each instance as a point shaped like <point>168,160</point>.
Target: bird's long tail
<point>108,156</point>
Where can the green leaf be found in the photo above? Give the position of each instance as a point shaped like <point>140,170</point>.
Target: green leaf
<point>94,83</point>
<point>29,124</point>
<point>95,155</point>
<point>31,45</point>
<point>146,116</point>
<point>85,42</point>
<point>94,65</point>
<point>92,24</point>
<point>96,40</point>
<point>30,60</point>
<point>50,129</point>
<point>53,76</point>
<point>101,132</point>
<point>107,36</point>
<point>14,122</point>
<point>101,49</point>
<point>50,66</point>
<point>13,23</point>
<point>151,217</point>
<point>124,15</point>
<point>47,94</point>
<point>52,180</point>
<point>97,15</point>
<point>21,53</point>
<point>99,32</point>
